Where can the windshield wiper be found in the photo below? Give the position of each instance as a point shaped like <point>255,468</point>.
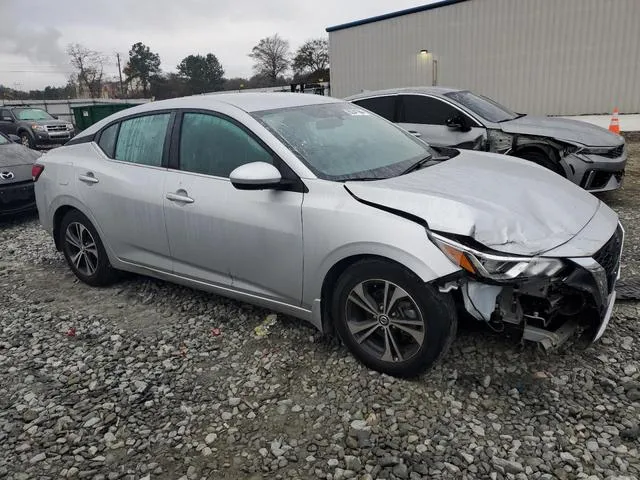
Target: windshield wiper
<point>518,115</point>
<point>417,165</point>
<point>362,179</point>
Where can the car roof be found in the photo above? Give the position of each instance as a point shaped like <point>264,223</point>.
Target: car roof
<point>247,101</point>
<point>392,91</point>
<point>257,101</point>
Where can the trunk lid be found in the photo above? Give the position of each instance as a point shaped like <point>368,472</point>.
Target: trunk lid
<point>15,154</point>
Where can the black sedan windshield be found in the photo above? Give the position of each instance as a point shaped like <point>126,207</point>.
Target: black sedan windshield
<point>486,108</point>
<point>341,141</point>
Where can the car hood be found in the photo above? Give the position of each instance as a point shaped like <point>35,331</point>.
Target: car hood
<point>15,154</point>
<point>507,204</point>
<point>51,121</point>
<point>574,131</point>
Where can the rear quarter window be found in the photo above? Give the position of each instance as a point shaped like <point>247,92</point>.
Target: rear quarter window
<point>107,142</point>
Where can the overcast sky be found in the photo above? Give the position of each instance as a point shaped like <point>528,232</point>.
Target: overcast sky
<point>34,36</point>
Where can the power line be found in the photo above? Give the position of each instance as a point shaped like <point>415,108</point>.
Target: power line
<point>37,71</point>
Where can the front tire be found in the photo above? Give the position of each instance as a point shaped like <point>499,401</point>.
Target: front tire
<point>27,140</point>
<point>390,320</point>
<point>541,159</point>
<point>84,250</point>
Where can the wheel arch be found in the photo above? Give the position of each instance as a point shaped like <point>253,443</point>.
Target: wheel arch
<point>336,270</point>
<point>58,215</point>
<point>59,209</point>
<point>550,151</point>
<point>23,129</point>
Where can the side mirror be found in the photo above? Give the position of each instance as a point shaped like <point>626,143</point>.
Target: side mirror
<point>454,123</point>
<point>7,119</point>
<point>55,116</point>
<point>457,123</point>
<point>14,138</point>
<point>255,176</point>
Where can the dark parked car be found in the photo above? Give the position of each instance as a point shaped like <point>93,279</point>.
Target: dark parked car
<point>16,184</point>
<point>35,127</point>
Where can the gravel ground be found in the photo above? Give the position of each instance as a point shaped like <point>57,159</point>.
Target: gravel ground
<point>150,380</point>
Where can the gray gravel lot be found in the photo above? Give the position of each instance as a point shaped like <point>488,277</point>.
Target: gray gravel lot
<point>132,381</point>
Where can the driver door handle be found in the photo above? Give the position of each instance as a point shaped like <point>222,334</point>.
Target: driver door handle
<point>180,197</point>
<point>88,178</point>
<point>415,134</point>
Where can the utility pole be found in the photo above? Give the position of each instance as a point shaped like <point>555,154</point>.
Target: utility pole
<point>120,74</point>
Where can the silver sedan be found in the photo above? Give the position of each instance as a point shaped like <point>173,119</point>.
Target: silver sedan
<point>589,156</point>
<point>317,208</point>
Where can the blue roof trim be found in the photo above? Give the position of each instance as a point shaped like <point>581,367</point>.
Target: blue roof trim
<point>400,13</point>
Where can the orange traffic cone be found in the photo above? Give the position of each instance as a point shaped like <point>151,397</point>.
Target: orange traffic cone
<point>614,126</point>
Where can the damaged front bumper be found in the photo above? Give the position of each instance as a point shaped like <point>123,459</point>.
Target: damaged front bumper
<point>550,310</point>
<point>598,173</point>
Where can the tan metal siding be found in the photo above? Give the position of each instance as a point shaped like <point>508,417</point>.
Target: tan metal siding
<point>559,57</point>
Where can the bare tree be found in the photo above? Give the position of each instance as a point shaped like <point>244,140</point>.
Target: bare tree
<point>271,56</point>
<point>89,66</point>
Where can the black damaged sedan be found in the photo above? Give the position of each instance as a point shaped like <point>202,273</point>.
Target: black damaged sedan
<point>16,184</point>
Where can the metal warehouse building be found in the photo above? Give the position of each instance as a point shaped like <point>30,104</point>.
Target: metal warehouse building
<point>556,57</point>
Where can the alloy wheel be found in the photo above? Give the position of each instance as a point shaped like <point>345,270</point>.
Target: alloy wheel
<point>82,248</point>
<point>385,320</point>
<point>25,141</point>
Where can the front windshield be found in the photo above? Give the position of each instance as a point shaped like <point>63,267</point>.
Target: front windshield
<point>486,108</point>
<point>4,140</point>
<point>32,114</point>
<point>341,141</point>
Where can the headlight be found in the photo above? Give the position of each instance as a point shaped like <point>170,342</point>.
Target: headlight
<point>584,150</point>
<point>499,141</point>
<point>596,150</point>
<point>38,128</point>
<point>69,126</point>
<point>496,267</point>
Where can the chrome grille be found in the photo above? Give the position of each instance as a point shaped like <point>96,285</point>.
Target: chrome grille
<point>614,152</point>
<point>56,128</point>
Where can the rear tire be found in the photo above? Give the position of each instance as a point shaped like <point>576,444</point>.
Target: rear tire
<point>84,250</point>
<point>541,159</point>
<point>390,320</point>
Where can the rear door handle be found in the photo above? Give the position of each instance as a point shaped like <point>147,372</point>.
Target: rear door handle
<point>180,198</point>
<point>88,178</point>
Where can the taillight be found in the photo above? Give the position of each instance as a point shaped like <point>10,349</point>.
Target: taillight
<point>36,171</point>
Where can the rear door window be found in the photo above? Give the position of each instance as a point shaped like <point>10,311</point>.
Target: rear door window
<point>383,106</point>
<point>141,139</point>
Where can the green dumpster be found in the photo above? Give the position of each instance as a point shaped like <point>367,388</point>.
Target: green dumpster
<point>87,115</point>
